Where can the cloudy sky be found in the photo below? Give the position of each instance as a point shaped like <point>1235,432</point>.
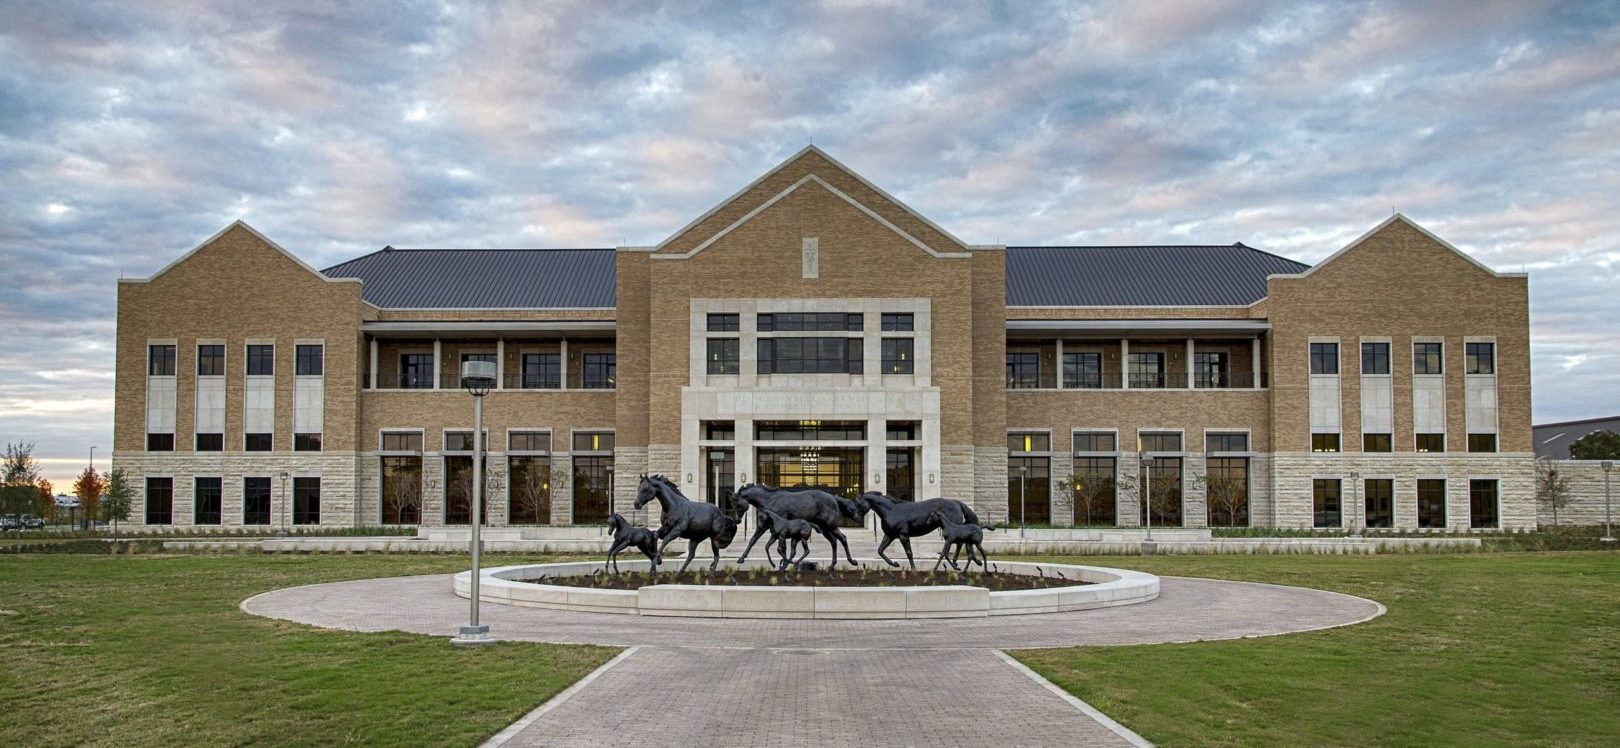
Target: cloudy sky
<point>131,131</point>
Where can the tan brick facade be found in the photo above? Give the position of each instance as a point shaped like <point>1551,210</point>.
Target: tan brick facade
<point>813,235</point>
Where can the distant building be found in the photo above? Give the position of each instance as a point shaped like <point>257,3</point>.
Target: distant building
<point>1553,439</point>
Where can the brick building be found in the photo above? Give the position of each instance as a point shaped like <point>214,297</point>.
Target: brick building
<point>813,330</point>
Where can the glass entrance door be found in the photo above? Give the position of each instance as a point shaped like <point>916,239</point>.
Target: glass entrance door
<point>836,470</point>
<point>901,475</point>
<point>720,479</point>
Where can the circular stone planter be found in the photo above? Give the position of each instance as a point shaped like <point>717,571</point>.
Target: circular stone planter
<point>1106,588</point>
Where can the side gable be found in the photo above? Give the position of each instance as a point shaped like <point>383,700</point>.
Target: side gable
<point>1388,229</point>
<point>237,226</point>
<point>809,167</point>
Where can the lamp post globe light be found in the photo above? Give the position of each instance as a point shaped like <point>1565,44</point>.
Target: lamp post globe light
<point>478,377</point>
<point>1608,526</point>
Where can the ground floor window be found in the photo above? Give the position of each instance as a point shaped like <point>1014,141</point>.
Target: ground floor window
<point>529,485</point>
<point>255,501</point>
<point>207,501</point>
<point>1029,490</point>
<point>306,508</point>
<point>1226,491</point>
<point>1327,510</point>
<point>1380,501</point>
<point>836,470</point>
<point>1431,503</point>
<point>1094,490</point>
<point>1161,491</point>
<point>458,492</point>
<point>1482,504</point>
<point>160,501</point>
<point>900,475</point>
<point>593,489</point>
<point>721,471</point>
<point>401,490</point>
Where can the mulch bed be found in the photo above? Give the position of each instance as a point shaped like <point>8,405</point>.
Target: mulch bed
<point>630,580</point>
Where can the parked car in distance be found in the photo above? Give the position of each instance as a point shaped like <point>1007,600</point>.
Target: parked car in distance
<point>30,522</point>
<point>10,522</point>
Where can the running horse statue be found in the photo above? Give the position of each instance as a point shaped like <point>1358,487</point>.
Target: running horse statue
<point>819,508</point>
<point>903,520</point>
<point>685,518</point>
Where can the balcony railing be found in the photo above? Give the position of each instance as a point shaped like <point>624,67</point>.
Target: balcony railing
<point>1166,380</point>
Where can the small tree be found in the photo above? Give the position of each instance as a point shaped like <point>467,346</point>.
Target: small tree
<point>45,500</point>
<point>1093,493</point>
<point>1162,495</point>
<point>531,494</point>
<point>1552,487</point>
<point>1598,445</point>
<point>88,488</point>
<point>118,499</point>
<point>1227,496</point>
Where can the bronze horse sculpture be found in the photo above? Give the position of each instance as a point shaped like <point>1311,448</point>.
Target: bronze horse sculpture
<point>685,518</point>
<point>790,534</point>
<point>969,535</point>
<point>903,520</point>
<point>819,508</point>
<point>626,535</point>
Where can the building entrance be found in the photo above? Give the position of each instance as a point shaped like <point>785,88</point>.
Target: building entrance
<point>836,470</point>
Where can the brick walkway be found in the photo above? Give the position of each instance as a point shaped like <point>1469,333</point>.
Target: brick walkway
<point>729,681</point>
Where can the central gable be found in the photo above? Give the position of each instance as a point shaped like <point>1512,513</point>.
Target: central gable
<point>810,168</point>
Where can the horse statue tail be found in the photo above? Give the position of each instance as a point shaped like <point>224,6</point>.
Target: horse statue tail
<point>968,515</point>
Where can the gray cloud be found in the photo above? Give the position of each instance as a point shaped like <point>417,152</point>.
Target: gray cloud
<point>130,131</point>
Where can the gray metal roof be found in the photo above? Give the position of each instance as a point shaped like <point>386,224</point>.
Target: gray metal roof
<point>1553,439</point>
<point>484,278</point>
<point>1183,275</point>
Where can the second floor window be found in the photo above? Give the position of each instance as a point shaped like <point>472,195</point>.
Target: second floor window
<point>261,360</point>
<point>1377,443</point>
<point>1431,442</point>
<point>1023,370</point>
<point>416,371</point>
<point>1374,358</point>
<point>160,361</point>
<point>809,321</point>
<point>210,360</point>
<point>1481,357</point>
<point>1210,370</point>
<point>722,355</point>
<point>1082,371</point>
<point>1427,358</point>
<point>1094,441</point>
<point>1160,441</point>
<point>1147,370</point>
<point>1324,358</point>
<point>897,322</point>
<point>601,371</point>
<point>542,371</point>
<point>811,356</point>
<point>897,355</point>
<point>723,322</point>
<point>1232,441</point>
<point>1324,442</point>
<point>311,360</point>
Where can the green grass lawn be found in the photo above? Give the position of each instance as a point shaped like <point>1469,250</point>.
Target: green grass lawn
<point>152,650</point>
<point>1476,649</point>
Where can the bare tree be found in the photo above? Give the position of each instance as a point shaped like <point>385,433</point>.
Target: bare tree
<point>1163,495</point>
<point>1227,496</point>
<point>531,492</point>
<point>404,492</point>
<point>1552,487</point>
<point>1093,492</point>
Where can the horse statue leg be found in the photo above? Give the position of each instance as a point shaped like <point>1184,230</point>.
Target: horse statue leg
<point>613,554</point>
<point>674,534</point>
<point>804,550</point>
<point>759,529</point>
<point>714,547</point>
<point>691,553</point>
<point>905,542</point>
<point>887,539</point>
<point>942,555</point>
<point>838,535</point>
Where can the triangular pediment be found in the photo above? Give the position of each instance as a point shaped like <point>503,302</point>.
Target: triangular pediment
<point>1398,222</point>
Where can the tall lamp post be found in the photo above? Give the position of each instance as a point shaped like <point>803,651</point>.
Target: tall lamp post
<point>1608,526</point>
<point>478,377</point>
<point>1147,492</point>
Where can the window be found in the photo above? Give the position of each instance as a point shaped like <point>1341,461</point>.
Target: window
<point>811,356</point>
<point>1147,370</point>
<point>529,483</point>
<point>901,431</point>
<point>1324,442</point>
<point>257,442</point>
<point>1325,501</point>
<point>1031,441</point>
<point>529,441</point>
<point>1082,371</point>
<point>210,360</point>
<point>159,501</point>
<point>1160,489</point>
<point>722,355</point>
<point>306,442</point>
<point>461,441</point>
<point>897,356</point>
<point>1481,357</point>
<point>402,441</point>
<point>1374,358</point>
<point>1431,442</point>
<point>809,431</point>
<point>1427,358</point>
<point>1023,370</point>
<point>207,502</point>
<point>1029,490</point>
<point>897,322</point>
<point>542,371</point>
<point>210,442</point>
<point>601,371</point>
<point>1095,441</point>
<point>1226,491</point>
<point>310,360</point>
<point>1482,504</point>
<point>1324,358</point>
<point>160,360</point>
<point>416,371</point>
<point>1161,441</point>
<point>401,490</point>
<point>1210,370</point>
<point>1431,503</point>
<point>1095,484</point>
<point>306,508</point>
<point>160,442</point>
<point>255,501</point>
<point>593,489</point>
<point>1377,443</point>
<point>1219,441</point>
<point>1380,500</point>
<point>593,441</point>
<point>1482,442</point>
<point>723,431</point>
<point>261,360</point>
<point>723,322</point>
<point>812,321</point>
